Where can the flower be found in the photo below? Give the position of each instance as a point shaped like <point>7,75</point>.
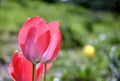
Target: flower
<point>40,42</point>
<point>89,50</point>
<point>20,68</point>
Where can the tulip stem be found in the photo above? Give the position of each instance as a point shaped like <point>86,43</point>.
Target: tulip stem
<point>45,72</point>
<point>34,73</point>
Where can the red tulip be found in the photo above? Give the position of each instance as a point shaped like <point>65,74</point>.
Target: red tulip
<point>20,68</point>
<point>40,42</point>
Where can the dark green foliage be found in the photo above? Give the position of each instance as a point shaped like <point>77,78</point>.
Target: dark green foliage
<point>114,38</point>
<point>112,5</point>
<point>89,25</point>
<point>50,1</point>
<point>69,36</point>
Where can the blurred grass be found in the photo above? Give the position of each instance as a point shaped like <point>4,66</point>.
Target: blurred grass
<point>73,65</point>
<point>79,27</point>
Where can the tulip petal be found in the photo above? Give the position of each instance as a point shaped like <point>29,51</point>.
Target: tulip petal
<point>42,28</point>
<point>43,43</point>
<point>56,36</point>
<point>54,26</point>
<point>43,38</point>
<point>12,71</point>
<point>31,22</point>
<point>20,68</point>
<point>29,48</point>
<point>54,53</point>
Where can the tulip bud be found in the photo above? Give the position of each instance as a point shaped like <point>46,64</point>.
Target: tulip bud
<point>39,41</point>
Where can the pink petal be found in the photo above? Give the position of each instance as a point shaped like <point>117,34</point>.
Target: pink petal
<point>56,49</point>
<point>43,38</point>
<point>54,26</point>
<point>42,28</point>
<point>56,36</point>
<point>31,22</point>
<point>43,43</point>
<point>29,48</point>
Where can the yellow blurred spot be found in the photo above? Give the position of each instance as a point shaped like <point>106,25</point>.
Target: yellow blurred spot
<point>89,50</point>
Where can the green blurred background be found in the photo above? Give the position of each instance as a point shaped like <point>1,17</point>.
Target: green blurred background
<point>82,22</point>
